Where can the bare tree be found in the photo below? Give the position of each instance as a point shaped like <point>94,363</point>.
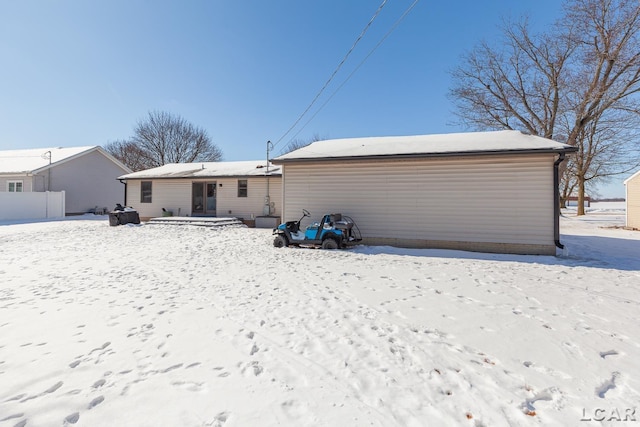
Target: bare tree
<point>164,138</point>
<point>607,146</point>
<point>565,85</point>
<point>517,87</point>
<point>128,153</point>
<point>606,86</point>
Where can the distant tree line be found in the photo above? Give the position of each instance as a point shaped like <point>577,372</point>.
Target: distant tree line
<point>577,83</point>
<point>163,138</point>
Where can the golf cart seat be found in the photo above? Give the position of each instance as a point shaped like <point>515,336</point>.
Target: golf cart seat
<point>293,226</point>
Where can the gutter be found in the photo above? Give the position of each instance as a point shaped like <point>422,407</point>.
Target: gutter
<point>556,201</point>
<point>272,174</point>
<point>424,155</point>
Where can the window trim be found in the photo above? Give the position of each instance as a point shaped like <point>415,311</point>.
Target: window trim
<point>15,183</point>
<point>243,188</point>
<point>146,198</point>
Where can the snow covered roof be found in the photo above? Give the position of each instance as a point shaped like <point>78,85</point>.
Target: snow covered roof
<point>207,169</point>
<point>626,181</point>
<point>505,141</point>
<point>34,159</point>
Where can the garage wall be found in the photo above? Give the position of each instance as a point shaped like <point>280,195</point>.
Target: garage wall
<point>487,203</point>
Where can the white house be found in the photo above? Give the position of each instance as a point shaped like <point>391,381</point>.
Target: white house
<point>632,196</point>
<point>485,191</point>
<point>87,175</point>
<point>245,189</point>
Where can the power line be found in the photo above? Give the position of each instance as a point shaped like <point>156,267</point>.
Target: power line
<point>393,27</point>
<point>373,18</point>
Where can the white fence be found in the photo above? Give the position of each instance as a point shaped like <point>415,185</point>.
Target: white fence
<point>28,205</point>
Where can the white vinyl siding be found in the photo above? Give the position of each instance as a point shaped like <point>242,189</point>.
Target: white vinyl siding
<point>26,182</point>
<point>633,201</point>
<point>175,195</point>
<point>483,199</point>
<point>253,204</point>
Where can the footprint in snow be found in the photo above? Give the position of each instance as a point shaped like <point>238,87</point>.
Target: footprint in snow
<point>54,387</point>
<point>609,384</point>
<point>11,417</point>
<point>219,420</point>
<point>604,354</point>
<point>95,402</point>
<point>171,368</point>
<point>105,345</point>
<point>253,367</point>
<point>72,418</point>
<point>552,394</point>
<point>254,349</point>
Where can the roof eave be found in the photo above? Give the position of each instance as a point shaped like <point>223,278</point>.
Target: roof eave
<point>16,173</point>
<point>277,161</point>
<point>271,175</point>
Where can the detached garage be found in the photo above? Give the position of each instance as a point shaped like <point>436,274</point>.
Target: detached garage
<point>485,191</point>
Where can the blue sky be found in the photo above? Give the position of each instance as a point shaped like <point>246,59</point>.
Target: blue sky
<point>84,72</point>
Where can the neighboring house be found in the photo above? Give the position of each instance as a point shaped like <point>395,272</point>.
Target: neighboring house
<point>87,175</point>
<point>221,189</point>
<point>485,191</point>
<point>632,196</point>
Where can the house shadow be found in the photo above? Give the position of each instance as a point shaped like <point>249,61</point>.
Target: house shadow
<point>84,217</point>
<point>602,252</point>
<point>580,251</point>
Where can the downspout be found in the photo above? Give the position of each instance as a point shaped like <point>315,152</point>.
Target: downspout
<point>124,182</point>
<point>267,200</point>
<point>556,201</point>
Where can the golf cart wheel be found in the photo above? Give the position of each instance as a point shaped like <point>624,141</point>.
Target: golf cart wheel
<point>280,241</point>
<point>330,243</point>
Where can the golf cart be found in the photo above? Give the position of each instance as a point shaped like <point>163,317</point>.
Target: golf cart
<point>332,232</point>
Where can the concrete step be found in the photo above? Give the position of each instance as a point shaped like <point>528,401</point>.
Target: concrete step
<point>199,221</point>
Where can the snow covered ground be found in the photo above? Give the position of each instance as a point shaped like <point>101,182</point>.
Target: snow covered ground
<point>160,325</point>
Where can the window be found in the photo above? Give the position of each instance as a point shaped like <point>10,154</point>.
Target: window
<point>145,192</point>
<point>14,186</point>
<point>242,188</point>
